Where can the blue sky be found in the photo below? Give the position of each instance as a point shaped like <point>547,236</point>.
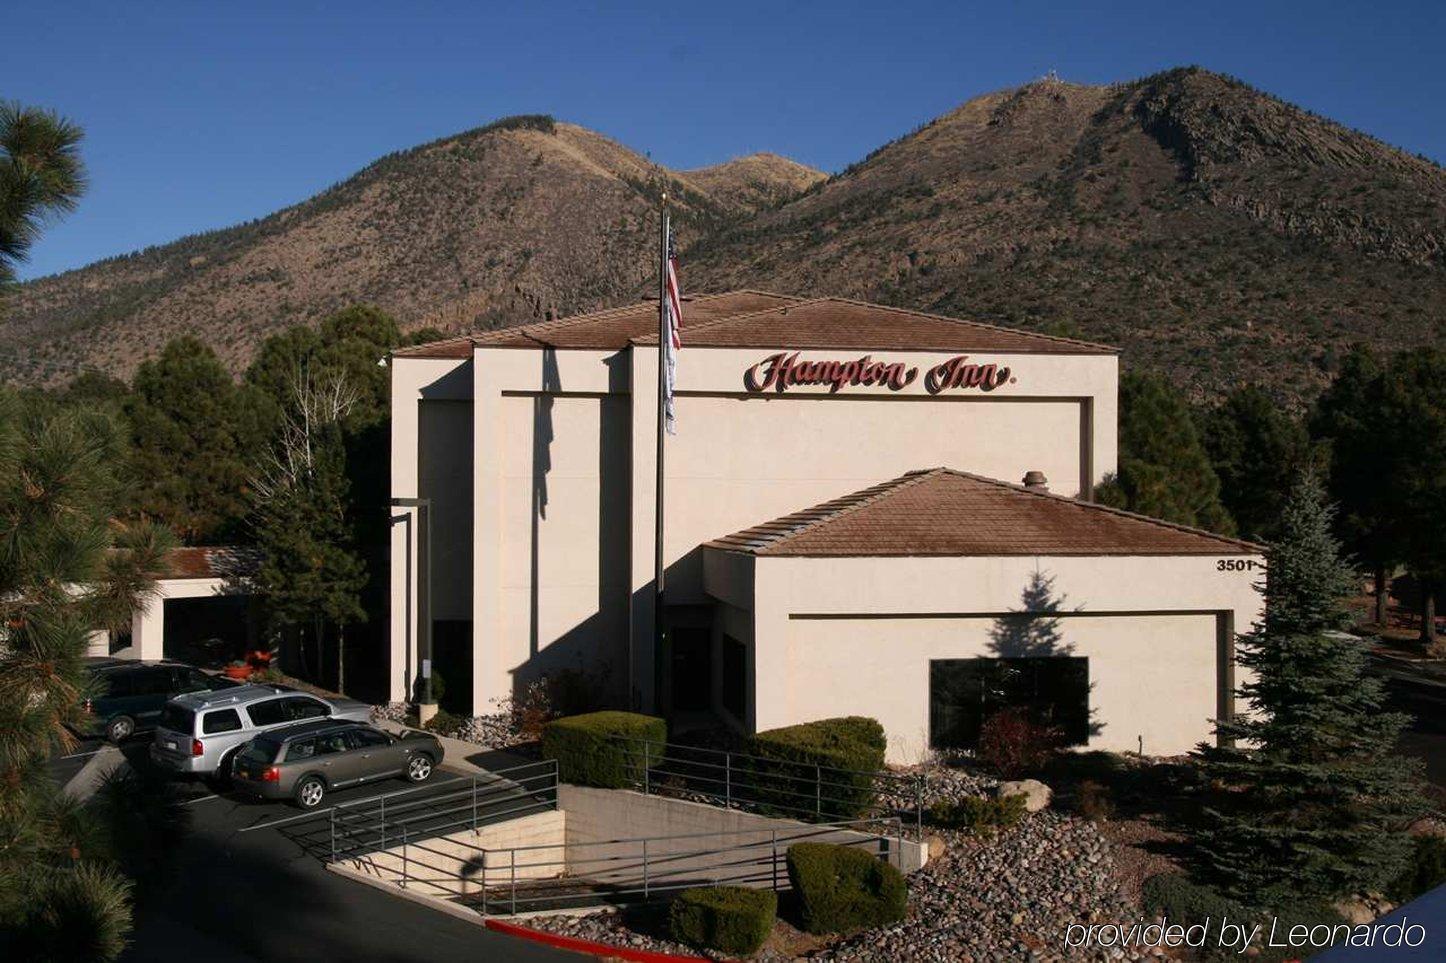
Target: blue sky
<point>202,115</point>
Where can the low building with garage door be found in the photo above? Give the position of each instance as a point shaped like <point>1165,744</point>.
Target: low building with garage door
<point>523,481</point>
<point>933,600</point>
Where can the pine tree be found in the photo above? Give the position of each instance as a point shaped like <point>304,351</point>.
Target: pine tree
<point>66,567</point>
<point>1164,470</point>
<point>1310,799</point>
<point>41,174</point>
<point>1256,448</point>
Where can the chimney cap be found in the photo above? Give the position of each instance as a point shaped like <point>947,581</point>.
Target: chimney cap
<point>1034,480</point>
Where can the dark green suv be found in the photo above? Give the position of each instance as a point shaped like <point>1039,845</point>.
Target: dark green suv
<point>126,695</point>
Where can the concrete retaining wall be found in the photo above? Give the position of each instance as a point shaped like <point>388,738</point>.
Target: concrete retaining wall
<point>456,864</point>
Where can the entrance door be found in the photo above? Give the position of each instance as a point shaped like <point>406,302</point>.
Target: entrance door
<point>692,669</point>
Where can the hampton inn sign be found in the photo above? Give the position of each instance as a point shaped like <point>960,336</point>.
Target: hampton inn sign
<point>881,567</point>
<point>782,371</point>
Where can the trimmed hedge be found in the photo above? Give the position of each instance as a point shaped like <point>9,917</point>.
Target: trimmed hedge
<point>788,780</point>
<point>603,748</point>
<point>730,919</point>
<point>840,888</point>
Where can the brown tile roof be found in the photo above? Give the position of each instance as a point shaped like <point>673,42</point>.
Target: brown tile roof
<point>757,319</point>
<point>952,513</point>
<point>221,561</point>
<point>848,324</point>
<point>601,330</point>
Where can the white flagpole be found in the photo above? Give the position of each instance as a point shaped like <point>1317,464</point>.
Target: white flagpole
<point>664,333</point>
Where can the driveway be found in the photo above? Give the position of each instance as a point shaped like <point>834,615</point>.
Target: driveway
<point>249,886</point>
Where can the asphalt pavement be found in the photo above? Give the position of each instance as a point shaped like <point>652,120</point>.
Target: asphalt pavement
<point>250,884</point>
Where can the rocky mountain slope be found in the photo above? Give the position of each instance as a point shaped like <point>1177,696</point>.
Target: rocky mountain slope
<point>508,222</point>
<point>1206,227</point>
<point>1210,229</point>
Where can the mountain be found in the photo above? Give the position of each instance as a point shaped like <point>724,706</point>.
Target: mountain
<point>1211,230</point>
<point>512,221</point>
<point>1207,228</point>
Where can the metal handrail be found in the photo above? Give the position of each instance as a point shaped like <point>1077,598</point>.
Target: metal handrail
<point>723,775</point>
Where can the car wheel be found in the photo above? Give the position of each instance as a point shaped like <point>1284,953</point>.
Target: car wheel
<point>221,778</point>
<point>419,768</point>
<point>120,729</point>
<point>310,792</point>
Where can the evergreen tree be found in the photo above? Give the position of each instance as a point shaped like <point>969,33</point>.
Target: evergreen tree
<point>66,567</point>
<point>196,437</point>
<point>1348,418</point>
<point>312,574</point>
<point>1412,426</point>
<point>41,175</point>
<point>1256,449</point>
<point>1164,470</point>
<point>1311,799</point>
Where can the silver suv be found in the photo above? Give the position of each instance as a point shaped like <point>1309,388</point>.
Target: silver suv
<point>201,733</point>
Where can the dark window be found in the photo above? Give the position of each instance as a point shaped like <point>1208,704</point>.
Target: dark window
<point>368,739</point>
<point>154,680</point>
<point>267,713</point>
<point>963,693</point>
<point>222,720</point>
<point>301,707</point>
<point>191,680</point>
<point>260,750</point>
<point>692,668</point>
<point>117,684</point>
<point>331,742</point>
<point>301,749</point>
<point>178,719</point>
<point>735,676</point>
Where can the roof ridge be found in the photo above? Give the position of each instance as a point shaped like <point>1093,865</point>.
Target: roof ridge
<point>796,302</point>
<point>973,324</point>
<point>527,330</point>
<point>854,500</point>
<point>1081,503</point>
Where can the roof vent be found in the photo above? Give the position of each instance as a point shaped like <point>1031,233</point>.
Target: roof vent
<point>1035,481</point>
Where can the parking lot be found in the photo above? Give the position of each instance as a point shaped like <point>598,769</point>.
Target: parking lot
<point>250,884</point>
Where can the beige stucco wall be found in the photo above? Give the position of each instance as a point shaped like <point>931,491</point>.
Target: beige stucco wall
<point>573,585</point>
<point>855,635</point>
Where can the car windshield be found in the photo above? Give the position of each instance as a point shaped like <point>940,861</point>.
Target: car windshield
<point>261,750</point>
<point>178,718</point>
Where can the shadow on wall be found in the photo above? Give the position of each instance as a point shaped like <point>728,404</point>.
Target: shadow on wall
<point>1036,669</point>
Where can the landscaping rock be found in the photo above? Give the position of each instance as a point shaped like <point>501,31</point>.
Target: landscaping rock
<point>1036,794</point>
<point>936,846</point>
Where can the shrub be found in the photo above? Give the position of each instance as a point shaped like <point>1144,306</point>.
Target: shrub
<point>604,749</point>
<point>443,723</point>
<point>1093,801</point>
<point>977,814</point>
<point>1013,745</point>
<point>1183,901</point>
<point>840,888</point>
<point>825,767</point>
<point>730,919</point>
<point>1426,870</point>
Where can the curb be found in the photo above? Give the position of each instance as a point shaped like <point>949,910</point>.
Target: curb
<point>601,950</point>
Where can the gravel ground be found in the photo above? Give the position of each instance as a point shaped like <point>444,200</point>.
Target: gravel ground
<point>1006,899</point>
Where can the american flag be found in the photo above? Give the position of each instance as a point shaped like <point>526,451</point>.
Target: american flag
<point>672,322</point>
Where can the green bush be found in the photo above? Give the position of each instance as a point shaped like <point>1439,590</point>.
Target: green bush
<point>978,815</point>
<point>730,919</point>
<point>824,767</point>
<point>1184,901</point>
<point>604,749</point>
<point>443,723</point>
<point>840,888</point>
<point>1426,871</point>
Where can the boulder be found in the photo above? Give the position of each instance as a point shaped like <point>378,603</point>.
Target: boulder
<point>1036,794</point>
<point>935,845</point>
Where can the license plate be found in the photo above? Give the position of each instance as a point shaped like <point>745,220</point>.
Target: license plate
<point>170,743</point>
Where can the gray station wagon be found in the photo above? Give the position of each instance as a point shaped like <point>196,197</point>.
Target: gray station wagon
<point>201,734</point>
<point>304,762</point>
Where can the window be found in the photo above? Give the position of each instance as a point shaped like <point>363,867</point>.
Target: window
<point>117,684</point>
<point>192,680</point>
<point>298,708</point>
<point>153,680</point>
<point>178,719</point>
<point>301,749</point>
<point>331,742</point>
<point>368,739</point>
<point>222,720</point>
<point>268,713</point>
<point>735,676</point>
<point>963,693</point>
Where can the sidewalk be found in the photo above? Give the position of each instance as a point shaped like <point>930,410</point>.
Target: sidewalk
<point>467,757</point>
